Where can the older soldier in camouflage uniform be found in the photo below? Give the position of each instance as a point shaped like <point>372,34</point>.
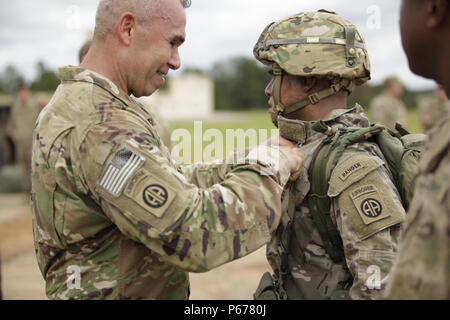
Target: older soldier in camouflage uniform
<point>113,216</point>
<point>387,108</point>
<point>422,270</point>
<point>317,58</point>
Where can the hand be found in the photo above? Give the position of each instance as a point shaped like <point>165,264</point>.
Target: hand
<point>291,152</point>
<point>279,142</point>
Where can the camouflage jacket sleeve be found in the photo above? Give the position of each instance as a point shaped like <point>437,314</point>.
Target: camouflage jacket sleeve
<point>152,202</point>
<point>422,270</point>
<point>205,175</point>
<point>368,211</point>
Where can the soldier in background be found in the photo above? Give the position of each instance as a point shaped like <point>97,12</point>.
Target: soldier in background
<point>422,269</point>
<point>20,128</point>
<point>84,50</point>
<point>330,253</point>
<point>434,108</point>
<point>388,108</point>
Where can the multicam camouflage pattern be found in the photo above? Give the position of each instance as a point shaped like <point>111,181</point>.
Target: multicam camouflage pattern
<point>314,59</point>
<point>161,125</point>
<point>167,220</point>
<point>388,111</point>
<point>432,110</point>
<point>422,270</point>
<point>370,244</point>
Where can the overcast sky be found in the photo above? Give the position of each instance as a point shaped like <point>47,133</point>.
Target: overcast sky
<point>54,30</point>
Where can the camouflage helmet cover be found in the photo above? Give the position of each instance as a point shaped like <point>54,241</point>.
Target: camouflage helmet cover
<point>315,44</point>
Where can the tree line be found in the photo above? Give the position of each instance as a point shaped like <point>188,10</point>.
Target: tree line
<point>239,84</point>
<point>11,79</point>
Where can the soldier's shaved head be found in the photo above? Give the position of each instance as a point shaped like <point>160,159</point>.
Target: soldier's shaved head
<point>109,12</point>
<point>136,42</point>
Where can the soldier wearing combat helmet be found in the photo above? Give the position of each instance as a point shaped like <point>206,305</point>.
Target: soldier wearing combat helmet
<point>388,108</point>
<point>338,234</point>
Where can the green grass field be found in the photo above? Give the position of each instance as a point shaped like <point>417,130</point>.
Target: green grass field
<point>257,120</point>
<point>260,119</point>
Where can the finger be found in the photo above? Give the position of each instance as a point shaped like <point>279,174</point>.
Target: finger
<point>294,176</point>
<point>285,143</point>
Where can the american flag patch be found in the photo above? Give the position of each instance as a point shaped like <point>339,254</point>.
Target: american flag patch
<point>121,169</point>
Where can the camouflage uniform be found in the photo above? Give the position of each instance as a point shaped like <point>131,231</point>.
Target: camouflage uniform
<point>388,110</point>
<point>109,203</point>
<point>20,128</point>
<point>321,44</point>
<point>162,126</point>
<point>422,270</point>
<point>432,110</point>
<point>311,273</point>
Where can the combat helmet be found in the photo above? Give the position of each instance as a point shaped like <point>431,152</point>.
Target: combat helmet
<point>314,44</point>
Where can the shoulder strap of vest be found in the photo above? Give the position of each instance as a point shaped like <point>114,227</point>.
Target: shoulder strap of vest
<point>323,162</point>
<point>320,204</point>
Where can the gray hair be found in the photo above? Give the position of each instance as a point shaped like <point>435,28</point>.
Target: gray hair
<point>109,11</point>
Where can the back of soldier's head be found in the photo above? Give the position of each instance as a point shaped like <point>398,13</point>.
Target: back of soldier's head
<point>84,50</point>
<point>391,81</point>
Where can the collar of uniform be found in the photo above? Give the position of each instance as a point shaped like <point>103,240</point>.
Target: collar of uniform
<point>300,131</point>
<point>72,73</point>
<point>336,113</point>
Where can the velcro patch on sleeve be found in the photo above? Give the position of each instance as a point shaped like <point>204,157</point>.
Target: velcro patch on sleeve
<point>151,193</point>
<point>352,170</point>
<point>369,204</point>
<point>120,170</point>
<point>366,197</point>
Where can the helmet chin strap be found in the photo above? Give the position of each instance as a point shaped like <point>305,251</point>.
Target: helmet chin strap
<point>278,108</point>
<point>312,99</point>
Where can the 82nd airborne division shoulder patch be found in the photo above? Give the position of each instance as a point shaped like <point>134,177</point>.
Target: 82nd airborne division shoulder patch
<point>369,204</point>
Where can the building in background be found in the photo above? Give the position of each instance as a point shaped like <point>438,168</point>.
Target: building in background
<point>189,96</point>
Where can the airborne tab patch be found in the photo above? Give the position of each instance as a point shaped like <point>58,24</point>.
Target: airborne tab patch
<point>122,167</point>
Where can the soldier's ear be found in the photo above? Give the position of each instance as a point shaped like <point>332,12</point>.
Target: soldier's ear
<point>126,27</point>
<point>438,13</point>
<point>309,83</point>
